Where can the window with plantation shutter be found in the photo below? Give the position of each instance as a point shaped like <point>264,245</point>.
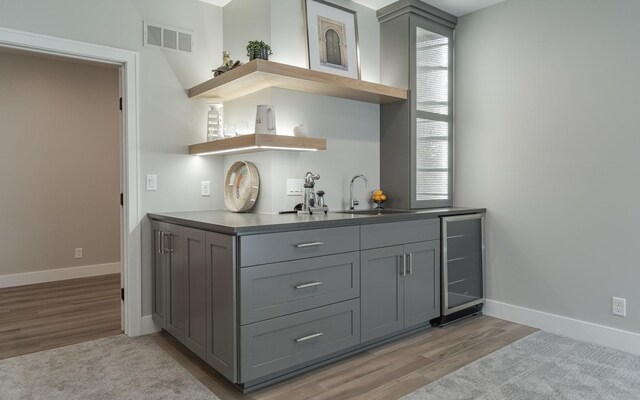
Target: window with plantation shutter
<point>433,117</point>
<point>416,136</point>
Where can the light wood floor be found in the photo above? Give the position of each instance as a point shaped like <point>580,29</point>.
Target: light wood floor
<point>48,315</point>
<point>386,372</point>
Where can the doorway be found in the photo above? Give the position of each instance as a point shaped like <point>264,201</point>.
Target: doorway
<point>134,323</point>
<point>60,274</point>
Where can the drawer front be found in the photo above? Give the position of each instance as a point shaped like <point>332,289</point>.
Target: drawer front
<point>273,290</point>
<point>395,233</point>
<point>277,344</point>
<point>274,247</point>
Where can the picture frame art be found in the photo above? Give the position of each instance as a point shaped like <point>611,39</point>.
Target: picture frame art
<point>332,38</point>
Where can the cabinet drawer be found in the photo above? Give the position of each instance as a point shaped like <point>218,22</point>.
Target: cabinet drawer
<point>273,290</point>
<point>274,247</point>
<point>280,343</point>
<point>395,233</point>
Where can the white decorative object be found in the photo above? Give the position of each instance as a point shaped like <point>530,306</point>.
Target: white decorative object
<point>265,119</point>
<point>301,130</point>
<point>214,122</point>
<point>241,186</point>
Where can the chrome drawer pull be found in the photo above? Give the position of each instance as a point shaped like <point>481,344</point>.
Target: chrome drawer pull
<point>308,285</point>
<point>315,335</point>
<point>301,245</point>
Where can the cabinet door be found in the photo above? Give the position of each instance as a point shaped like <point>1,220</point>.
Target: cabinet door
<point>221,269</point>
<point>422,282</point>
<point>381,291</point>
<point>177,285</point>
<point>159,274</point>
<point>194,266</point>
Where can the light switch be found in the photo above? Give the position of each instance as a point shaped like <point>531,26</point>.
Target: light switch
<point>152,182</point>
<point>205,188</point>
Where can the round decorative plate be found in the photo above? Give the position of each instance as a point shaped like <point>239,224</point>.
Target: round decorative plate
<point>241,186</point>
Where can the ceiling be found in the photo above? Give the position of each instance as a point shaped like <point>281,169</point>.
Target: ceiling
<point>455,7</point>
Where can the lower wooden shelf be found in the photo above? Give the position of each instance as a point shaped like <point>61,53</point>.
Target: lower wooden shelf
<point>256,142</point>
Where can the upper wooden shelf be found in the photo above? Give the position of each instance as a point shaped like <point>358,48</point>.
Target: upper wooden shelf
<point>256,142</point>
<point>260,74</point>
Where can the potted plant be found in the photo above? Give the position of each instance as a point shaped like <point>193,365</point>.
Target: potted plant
<point>258,49</point>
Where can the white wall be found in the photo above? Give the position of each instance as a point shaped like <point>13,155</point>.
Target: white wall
<point>547,138</point>
<point>59,163</point>
<point>350,127</point>
<point>169,121</point>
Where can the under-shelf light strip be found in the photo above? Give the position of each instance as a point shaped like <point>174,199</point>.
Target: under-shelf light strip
<point>255,148</point>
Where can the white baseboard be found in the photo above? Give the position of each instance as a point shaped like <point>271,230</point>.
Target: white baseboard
<point>147,325</point>
<point>52,275</point>
<point>573,328</point>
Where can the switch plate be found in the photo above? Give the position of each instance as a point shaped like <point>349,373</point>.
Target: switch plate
<point>79,252</point>
<point>295,187</point>
<point>152,182</point>
<point>205,188</point>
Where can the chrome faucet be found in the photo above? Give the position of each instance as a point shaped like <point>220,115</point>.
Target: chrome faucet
<point>353,202</point>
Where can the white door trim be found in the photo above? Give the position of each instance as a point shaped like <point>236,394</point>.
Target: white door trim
<point>129,61</point>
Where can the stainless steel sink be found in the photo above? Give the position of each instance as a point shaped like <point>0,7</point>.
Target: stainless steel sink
<point>375,212</point>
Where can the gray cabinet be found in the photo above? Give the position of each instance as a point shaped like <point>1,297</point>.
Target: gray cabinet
<point>400,285</point>
<point>382,295</point>
<point>416,136</point>
<point>259,307</point>
<point>277,344</point>
<point>179,284</point>
<point>273,290</point>
<point>159,274</point>
<point>220,303</point>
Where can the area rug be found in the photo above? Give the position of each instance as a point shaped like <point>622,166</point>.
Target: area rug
<point>542,366</point>
<point>116,367</point>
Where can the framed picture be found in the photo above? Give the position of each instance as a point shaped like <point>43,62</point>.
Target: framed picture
<point>332,38</point>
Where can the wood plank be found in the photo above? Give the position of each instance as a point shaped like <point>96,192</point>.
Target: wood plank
<point>387,372</point>
<point>260,74</point>
<point>48,315</point>
<point>256,142</point>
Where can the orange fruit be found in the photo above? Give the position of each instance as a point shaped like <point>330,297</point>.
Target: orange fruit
<point>383,197</point>
<point>377,192</point>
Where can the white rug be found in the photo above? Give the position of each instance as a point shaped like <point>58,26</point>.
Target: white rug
<point>116,367</point>
<point>542,366</point>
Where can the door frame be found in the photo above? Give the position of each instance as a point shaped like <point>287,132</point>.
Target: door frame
<point>130,151</point>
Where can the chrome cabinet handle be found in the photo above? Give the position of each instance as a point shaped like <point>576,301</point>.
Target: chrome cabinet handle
<point>301,245</point>
<point>403,267</point>
<point>410,263</point>
<point>167,250</point>
<point>159,242</point>
<point>314,335</point>
<point>308,285</point>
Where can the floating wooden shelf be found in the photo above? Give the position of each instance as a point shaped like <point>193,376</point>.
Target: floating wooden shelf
<point>258,142</point>
<point>260,74</point>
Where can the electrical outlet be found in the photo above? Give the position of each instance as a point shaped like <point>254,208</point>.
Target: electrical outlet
<point>152,182</point>
<point>79,252</point>
<point>205,188</point>
<point>295,187</point>
<point>619,306</point>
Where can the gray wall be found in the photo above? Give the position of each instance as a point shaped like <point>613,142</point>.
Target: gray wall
<point>59,163</point>
<point>352,128</point>
<point>547,138</point>
<point>169,121</point>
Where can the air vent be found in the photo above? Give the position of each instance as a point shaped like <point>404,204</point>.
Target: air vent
<point>168,38</point>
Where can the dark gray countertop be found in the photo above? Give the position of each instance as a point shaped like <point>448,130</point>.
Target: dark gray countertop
<point>250,223</point>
